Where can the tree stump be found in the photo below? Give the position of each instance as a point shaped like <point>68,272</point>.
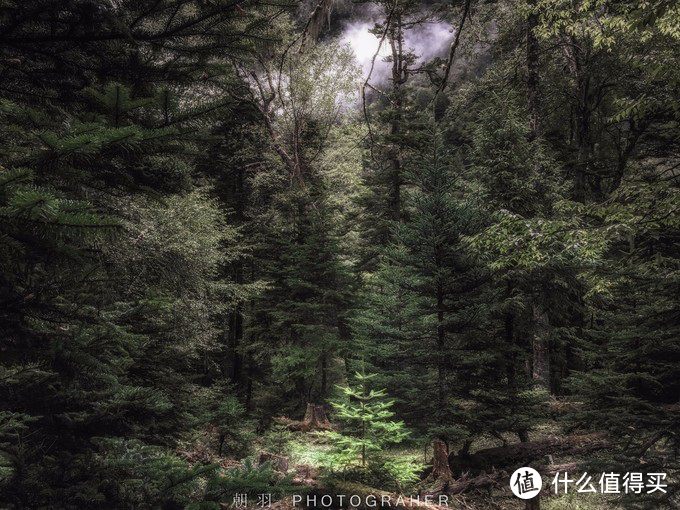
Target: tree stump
<point>533,503</point>
<point>315,418</point>
<point>278,462</point>
<point>440,461</point>
<point>320,414</point>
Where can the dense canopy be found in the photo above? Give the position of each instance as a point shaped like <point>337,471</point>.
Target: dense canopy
<point>346,238</point>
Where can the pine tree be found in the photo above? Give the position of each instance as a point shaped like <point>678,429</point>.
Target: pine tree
<point>366,429</point>
<point>629,379</point>
<point>427,323</point>
<point>107,302</point>
<point>299,319</point>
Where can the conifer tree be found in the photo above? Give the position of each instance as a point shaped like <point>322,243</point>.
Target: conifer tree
<point>106,300</point>
<point>366,429</point>
<point>427,324</point>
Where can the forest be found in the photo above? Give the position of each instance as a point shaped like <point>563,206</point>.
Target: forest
<point>283,253</point>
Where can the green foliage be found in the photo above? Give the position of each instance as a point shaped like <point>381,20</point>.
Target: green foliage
<point>198,232</point>
<point>359,450</point>
<point>404,471</point>
<point>278,440</point>
<point>517,175</point>
<point>366,430</point>
<point>141,476</point>
<point>108,294</point>
<point>248,480</point>
<point>222,412</point>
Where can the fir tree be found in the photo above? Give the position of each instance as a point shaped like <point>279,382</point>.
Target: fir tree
<point>366,429</point>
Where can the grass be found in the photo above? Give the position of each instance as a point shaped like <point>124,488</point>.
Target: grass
<point>307,449</point>
<point>579,501</point>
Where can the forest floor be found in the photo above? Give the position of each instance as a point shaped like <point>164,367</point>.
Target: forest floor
<point>306,450</point>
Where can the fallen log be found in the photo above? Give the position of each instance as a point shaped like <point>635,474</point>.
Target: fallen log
<point>522,454</point>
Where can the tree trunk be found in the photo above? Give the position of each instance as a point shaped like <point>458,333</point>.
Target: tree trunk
<point>235,335</point>
<point>533,79</point>
<point>533,503</point>
<point>249,382</point>
<point>441,359</point>
<point>540,347</point>
<point>539,326</point>
<point>441,470</point>
<point>399,77</point>
<point>315,418</point>
<point>324,376</point>
<point>320,414</point>
<point>309,414</point>
<point>575,56</point>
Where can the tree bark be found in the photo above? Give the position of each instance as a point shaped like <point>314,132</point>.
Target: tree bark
<point>441,342</point>
<point>315,419</point>
<point>235,335</point>
<point>575,55</point>
<point>539,333</point>
<point>440,462</point>
<point>309,415</point>
<point>540,347</point>
<point>399,77</point>
<point>324,376</point>
<point>533,503</point>
<point>533,78</point>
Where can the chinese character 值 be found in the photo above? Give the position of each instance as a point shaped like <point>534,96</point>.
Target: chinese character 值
<point>525,483</point>
<point>609,483</point>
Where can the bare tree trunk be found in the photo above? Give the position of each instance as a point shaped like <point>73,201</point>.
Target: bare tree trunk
<point>522,454</point>
<point>540,347</point>
<point>249,383</point>
<point>440,461</point>
<point>539,324</point>
<point>398,78</point>
<point>575,55</point>
<point>309,414</point>
<point>441,341</point>
<point>234,337</point>
<point>324,376</point>
<point>511,370</point>
<point>320,414</point>
<point>315,418</point>
<point>533,503</point>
